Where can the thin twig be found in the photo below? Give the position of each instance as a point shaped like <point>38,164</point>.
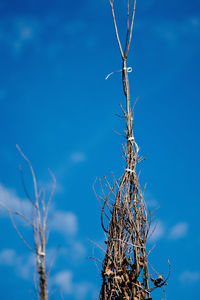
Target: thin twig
<point>116,30</point>
<point>31,169</point>
<point>131,30</point>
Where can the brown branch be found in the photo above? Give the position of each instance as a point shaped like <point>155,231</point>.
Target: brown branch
<point>31,169</point>
<point>126,257</point>
<point>38,224</point>
<point>24,185</point>
<point>53,261</point>
<point>116,29</point>
<point>131,30</point>
<point>127,30</point>
<point>15,225</point>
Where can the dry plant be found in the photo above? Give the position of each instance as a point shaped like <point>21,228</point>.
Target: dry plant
<point>125,273</point>
<point>38,222</point>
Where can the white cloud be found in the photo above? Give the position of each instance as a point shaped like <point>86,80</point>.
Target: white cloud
<point>18,33</point>
<point>48,186</point>
<point>74,252</point>
<point>64,222</point>
<point>63,279</point>
<point>178,231</point>
<point>22,31</point>
<point>77,157</point>
<point>150,200</point>
<point>23,264</point>
<point>68,162</point>
<point>83,289</point>
<point>157,231</point>
<point>80,290</point>
<point>9,199</point>
<point>78,250</point>
<point>189,277</point>
<point>7,257</point>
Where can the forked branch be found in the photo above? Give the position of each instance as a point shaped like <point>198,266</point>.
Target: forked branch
<point>125,273</point>
<point>38,223</point>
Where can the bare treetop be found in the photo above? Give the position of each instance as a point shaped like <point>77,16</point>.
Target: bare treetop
<point>125,272</point>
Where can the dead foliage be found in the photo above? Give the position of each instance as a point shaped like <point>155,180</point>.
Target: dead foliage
<point>124,216</point>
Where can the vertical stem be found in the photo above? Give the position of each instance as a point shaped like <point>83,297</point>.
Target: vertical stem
<point>121,277</point>
<point>43,284</point>
<point>127,30</point>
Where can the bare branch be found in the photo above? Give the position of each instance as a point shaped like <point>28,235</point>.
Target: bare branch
<point>95,261</point>
<point>126,257</point>
<point>39,226</point>
<point>24,185</point>
<point>15,226</point>
<point>131,30</point>
<point>31,169</point>
<point>116,29</point>
<point>127,30</point>
<point>53,261</point>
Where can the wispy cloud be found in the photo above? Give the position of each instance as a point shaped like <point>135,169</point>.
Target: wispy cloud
<point>85,290</point>
<point>74,251</point>
<point>35,32</point>
<point>63,279</point>
<point>157,231</point>
<point>178,231</point>
<point>64,222</point>
<point>78,251</point>
<point>68,162</point>
<point>7,257</point>
<point>80,290</point>
<point>23,264</point>
<point>9,199</point>
<point>48,186</point>
<point>189,277</point>
<point>26,266</point>
<point>160,230</point>
<point>150,200</point>
<point>22,32</point>
<point>77,157</point>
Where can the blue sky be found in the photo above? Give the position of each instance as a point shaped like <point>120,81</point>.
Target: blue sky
<point>56,104</point>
